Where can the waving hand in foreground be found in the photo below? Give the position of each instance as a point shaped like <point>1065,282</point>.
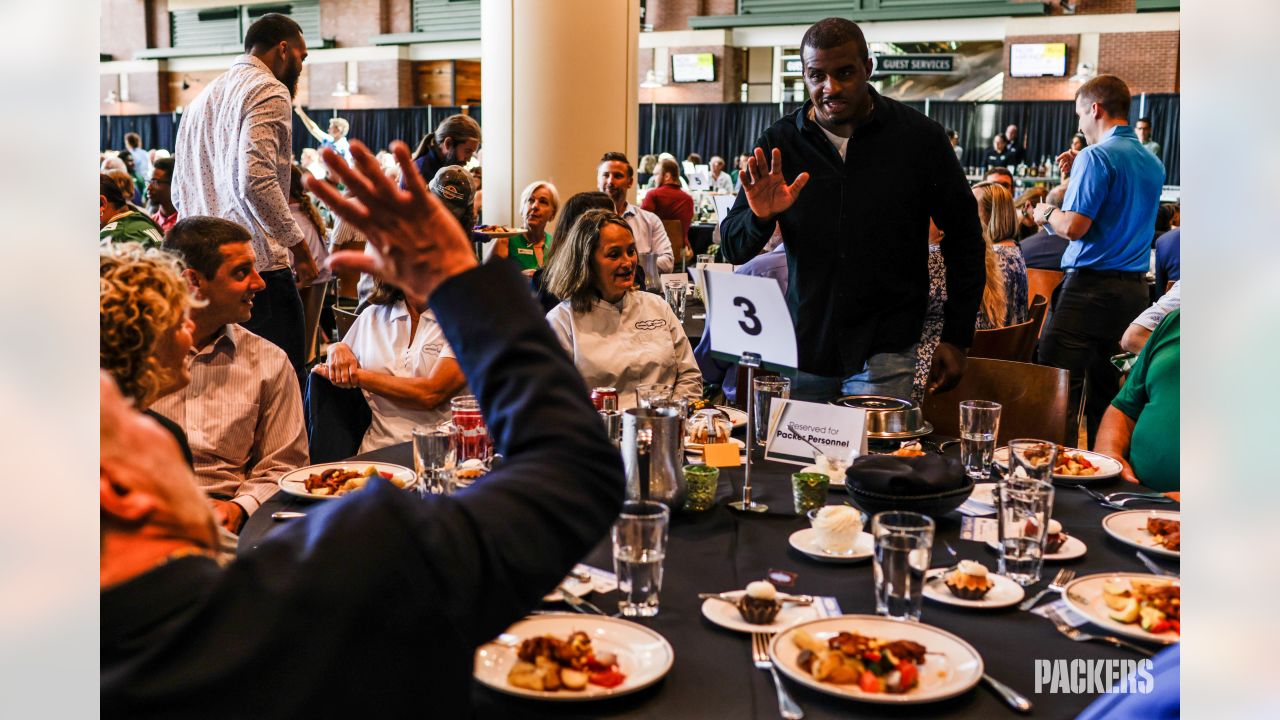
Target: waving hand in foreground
<point>419,244</point>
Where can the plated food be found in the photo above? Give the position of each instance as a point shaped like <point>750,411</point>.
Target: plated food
<point>580,644</point>
<point>1072,465</point>
<point>1137,605</point>
<point>911,449</point>
<point>708,426</point>
<point>327,481</point>
<point>499,231</point>
<point>968,580</point>
<point>862,657</point>
<point>766,616</point>
<point>1158,531</point>
<point>971,585</point>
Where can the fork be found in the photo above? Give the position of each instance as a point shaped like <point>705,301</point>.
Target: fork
<point>760,656</point>
<point>1079,636</point>
<point>1124,501</point>
<point>1110,499</point>
<point>1064,576</point>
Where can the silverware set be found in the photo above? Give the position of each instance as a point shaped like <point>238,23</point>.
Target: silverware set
<point>787,707</point>
<point>1118,500</point>
<point>1078,635</point>
<point>578,604</point>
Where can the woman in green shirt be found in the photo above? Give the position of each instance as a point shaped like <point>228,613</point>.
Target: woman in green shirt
<point>539,202</point>
<point>1140,429</point>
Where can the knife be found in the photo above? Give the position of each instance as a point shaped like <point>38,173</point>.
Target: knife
<point>578,603</point>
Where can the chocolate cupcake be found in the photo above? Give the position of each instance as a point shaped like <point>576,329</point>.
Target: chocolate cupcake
<point>1055,538</point>
<point>759,604</point>
<point>969,580</point>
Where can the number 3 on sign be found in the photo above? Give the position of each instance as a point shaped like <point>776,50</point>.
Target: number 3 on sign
<point>749,315</point>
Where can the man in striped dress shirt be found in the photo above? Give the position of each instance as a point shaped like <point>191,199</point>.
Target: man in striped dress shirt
<point>242,412</point>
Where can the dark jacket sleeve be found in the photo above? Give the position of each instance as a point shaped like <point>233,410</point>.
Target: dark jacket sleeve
<point>954,211</point>
<point>514,535</point>
<point>742,234</point>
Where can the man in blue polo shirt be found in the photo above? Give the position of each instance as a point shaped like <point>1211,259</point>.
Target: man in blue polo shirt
<point>1108,216</point>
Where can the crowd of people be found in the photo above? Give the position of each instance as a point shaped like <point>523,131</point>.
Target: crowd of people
<point>211,320</point>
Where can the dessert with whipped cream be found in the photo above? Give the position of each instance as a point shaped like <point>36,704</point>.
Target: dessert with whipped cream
<point>836,528</point>
<point>759,605</point>
<point>969,580</point>
<point>1055,538</point>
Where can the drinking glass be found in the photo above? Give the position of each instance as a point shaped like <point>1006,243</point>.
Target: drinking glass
<point>470,430</point>
<point>703,260</point>
<point>654,395</point>
<point>809,490</point>
<point>700,487</point>
<point>649,261</point>
<point>612,420</point>
<point>1026,504</point>
<point>765,389</point>
<point>1032,459</point>
<point>674,291</point>
<point>639,546</point>
<point>903,544</point>
<point>435,454</point>
<point>979,426</point>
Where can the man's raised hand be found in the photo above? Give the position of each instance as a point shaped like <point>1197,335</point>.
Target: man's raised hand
<point>418,242</point>
<point>768,193</point>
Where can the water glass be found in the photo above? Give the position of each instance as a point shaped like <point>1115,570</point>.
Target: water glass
<point>435,454</point>
<point>703,260</point>
<point>675,291</point>
<point>809,490</point>
<point>903,545</point>
<point>649,261</point>
<point>979,426</point>
<point>765,389</point>
<point>654,395</point>
<point>1032,459</point>
<point>700,483</point>
<point>1026,504</point>
<point>469,428</point>
<point>639,546</point>
<point>612,420</point>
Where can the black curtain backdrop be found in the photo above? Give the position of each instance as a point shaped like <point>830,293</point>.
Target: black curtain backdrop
<point>726,130</point>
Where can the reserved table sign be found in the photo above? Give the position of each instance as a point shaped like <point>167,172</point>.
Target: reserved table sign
<point>840,432</point>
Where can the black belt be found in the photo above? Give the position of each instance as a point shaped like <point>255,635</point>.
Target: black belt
<point>1113,274</point>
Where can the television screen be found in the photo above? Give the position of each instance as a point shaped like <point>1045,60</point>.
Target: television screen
<point>693,67</point>
<point>1038,59</point>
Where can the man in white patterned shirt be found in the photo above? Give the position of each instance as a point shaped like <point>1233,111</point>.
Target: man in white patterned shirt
<point>233,156</point>
<point>242,412</point>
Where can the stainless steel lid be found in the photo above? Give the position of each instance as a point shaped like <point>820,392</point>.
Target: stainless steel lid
<point>888,417</point>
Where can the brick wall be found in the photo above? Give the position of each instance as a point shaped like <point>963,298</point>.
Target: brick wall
<point>350,23</point>
<point>399,16</point>
<point>1147,62</point>
<point>123,27</point>
<point>1042,88</point>
<point>1102,7</point>
<point>382,83</point>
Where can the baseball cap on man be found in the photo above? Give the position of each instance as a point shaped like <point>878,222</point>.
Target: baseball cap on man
<point>452,185</point>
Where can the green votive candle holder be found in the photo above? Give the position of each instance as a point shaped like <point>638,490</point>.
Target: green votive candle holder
<point>809,490</point>
<point>700,483</point>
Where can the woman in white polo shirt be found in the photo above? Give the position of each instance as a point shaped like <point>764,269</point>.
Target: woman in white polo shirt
<point>396,353</point>
<point>617,336</point>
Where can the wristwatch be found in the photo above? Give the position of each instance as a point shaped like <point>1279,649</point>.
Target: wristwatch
<point>1045,220</point>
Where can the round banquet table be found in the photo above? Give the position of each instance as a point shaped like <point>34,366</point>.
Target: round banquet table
<point>722,550</point>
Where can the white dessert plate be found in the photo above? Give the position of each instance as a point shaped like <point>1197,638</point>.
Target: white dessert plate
<point>952,666</point>
<point>1003,593</point>
<point>294,483</point>
<point>806,541</point>
<point>1073,548</point>
<point>1084,595</point>
<point>727,616</point>
<point>1107,467</point>
<point>644,656</point>
<point>1130,528</point>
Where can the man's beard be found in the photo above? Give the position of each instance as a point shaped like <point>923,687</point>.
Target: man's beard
<point>290,80</point>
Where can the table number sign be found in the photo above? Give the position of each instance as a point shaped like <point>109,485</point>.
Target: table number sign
<point>748,315</point>
<point>841,432</point>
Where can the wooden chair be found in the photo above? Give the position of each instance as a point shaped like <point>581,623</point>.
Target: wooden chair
<point>343,317</point>
<point>1039,309</point>
<point>1014,342</point>
<point>679,243</point>
<point>1035,400</point>
<point>1043,282</point>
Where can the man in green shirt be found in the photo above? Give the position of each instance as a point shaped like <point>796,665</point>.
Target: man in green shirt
<point>118,223</point>
<point>1140,429</point>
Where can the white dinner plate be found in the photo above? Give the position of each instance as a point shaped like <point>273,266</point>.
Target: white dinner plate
<point>294,483</point>
<point>1107,467</point>
<point>1084,595</point>
<point>696,448</point>
<point>736,416</point>
<point>643,655</point>
<point>951,667</point>
<point>1073,548</point>
<point>806,541</point>
<point>502,233</point>
<point>727,616</point>
<point>1130,528</point>
<point>1003,593</point>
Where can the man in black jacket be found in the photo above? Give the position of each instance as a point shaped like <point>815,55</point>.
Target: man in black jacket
<point>873,172</point>
<point>373,605</point>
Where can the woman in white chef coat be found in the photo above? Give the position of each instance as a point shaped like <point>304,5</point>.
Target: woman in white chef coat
<point>617,336</point>
<point>396,353</point>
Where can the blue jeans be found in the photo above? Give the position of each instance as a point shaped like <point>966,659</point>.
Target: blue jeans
<point>891,374</point>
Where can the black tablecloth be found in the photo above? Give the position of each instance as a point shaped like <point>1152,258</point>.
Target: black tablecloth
<point>721,550</point>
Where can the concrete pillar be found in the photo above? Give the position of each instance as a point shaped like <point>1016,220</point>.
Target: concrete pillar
<point>560,89</point>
